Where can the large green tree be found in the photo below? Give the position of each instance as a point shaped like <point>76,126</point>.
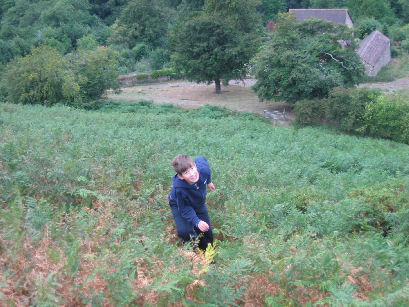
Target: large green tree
<point>216,43</point>
<point>141,21</point>
<point>269,9</point>
<point>378,9</point>
<point>305,60</point>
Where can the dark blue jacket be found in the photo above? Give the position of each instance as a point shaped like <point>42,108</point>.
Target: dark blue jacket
<point>189,198</point>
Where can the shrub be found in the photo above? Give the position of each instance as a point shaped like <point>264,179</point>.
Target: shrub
<point>95,71</point>
<point>395,52</point>
<point>166,72</point>
<point>309,112</point>
<point>387,117</point>
<point>141,77</point>
<point>364,111</point>
<point>42,77</point>
<point>159,57</point>
<point>397,33</point>
<point>346,107</point>
<point>87,42</point>
<point>405,45</point>
<point>6,51</point>
<point>140,50</point>
<point>367,26</point>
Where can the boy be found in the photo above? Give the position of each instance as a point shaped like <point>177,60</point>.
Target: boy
<point>187,199</point>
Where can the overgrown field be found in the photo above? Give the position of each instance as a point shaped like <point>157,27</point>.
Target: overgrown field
<point>302,217</point>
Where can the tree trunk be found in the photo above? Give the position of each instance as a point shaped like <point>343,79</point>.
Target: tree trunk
<point>218,88</point>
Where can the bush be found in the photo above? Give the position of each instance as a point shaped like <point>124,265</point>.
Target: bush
<point>42,77</point>
<point>159,57</point>
<point>346,107</point>
<point>88,42</point>
<point>166,72</point>
<point>6,51</point>
<point>395,52</point>
<point>309,112</point>
<point>95,71</point>
<point>46,77</point>
<point>367,26</point>
<point>405,45</point>
<point>141,77</point>
<point>140,51</point>
<point>388,117</point>
<point>397,33</point>
<point>364,111</point>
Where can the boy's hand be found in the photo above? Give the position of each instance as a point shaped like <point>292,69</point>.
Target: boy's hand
<point>203,226</point>
<point>211,186</point>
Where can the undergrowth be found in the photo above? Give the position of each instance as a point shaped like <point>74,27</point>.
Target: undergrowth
<point>319,217</point>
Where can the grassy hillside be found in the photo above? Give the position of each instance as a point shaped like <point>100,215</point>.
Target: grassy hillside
<point>300,215</point>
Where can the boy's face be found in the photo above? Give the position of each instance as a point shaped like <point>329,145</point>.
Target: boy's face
<point>191,175</point>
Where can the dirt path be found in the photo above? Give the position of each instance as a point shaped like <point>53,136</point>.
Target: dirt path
<point>388,87</point>
<point>237,96</point>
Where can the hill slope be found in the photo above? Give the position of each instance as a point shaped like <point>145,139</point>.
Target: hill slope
<point>300,215</point>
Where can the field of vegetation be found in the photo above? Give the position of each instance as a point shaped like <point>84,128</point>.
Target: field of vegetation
<point>301,216</point>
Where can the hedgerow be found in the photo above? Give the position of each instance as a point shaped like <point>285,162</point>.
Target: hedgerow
<point>320,217</point>
<point>363,111</point>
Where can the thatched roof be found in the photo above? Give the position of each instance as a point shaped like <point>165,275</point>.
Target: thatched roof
<point>333,15</point>
<point>373,46</point>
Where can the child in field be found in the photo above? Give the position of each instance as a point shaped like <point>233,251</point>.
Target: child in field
<point>187,199</point>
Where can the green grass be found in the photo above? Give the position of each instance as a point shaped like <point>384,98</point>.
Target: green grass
<point>85,220</point>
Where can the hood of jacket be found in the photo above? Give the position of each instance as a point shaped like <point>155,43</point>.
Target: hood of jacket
<point>179,183</point>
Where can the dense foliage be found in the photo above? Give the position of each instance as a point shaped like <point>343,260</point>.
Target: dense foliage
<point>216,43</point>
<point>62,23</point>
<point>140,21</point>
<point>304,60</point>
<point>46,77</point>
<point>301,216</point>
<point>42,77</point>
<point>139,30</point>
<point>359,111</point>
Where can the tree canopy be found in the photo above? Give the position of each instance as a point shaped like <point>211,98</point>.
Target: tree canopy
<point>216,43</point>
<point>304,60</point>
<point>141,21</point>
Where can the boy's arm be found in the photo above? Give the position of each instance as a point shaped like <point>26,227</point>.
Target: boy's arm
<point>187,212</point>
<point>204,168</point>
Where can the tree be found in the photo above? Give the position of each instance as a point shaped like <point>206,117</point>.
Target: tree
<point>270,9</point>
<point>366,26</point>
<point>305,60</point>
<point>107,10</point>
<point>42,77</point>
<point>378,9</point>
<point>327,4</point>
<point>188,6</point>
<point>216,43</point>
<point>141,21</point>
<point>95,72</point>
<point>402,10</point>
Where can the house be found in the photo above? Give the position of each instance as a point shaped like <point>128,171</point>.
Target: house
<point>375,52</point>
<point>339,16</point>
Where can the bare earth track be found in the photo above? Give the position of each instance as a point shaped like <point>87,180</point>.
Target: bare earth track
<point>237,96</point>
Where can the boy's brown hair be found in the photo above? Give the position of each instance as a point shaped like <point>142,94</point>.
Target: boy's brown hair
<point>181,163</point>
